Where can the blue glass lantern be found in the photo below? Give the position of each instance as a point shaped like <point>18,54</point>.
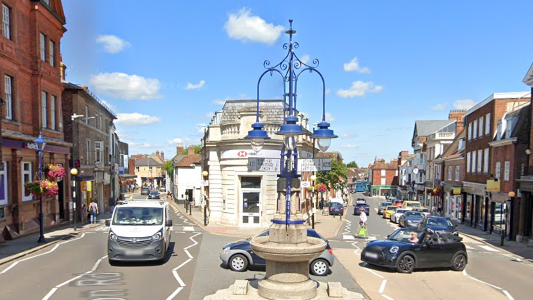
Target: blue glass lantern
<point>257,136</point>
<point>290,130</point>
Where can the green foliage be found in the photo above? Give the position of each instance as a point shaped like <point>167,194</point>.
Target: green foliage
<point>197,150</point>
<point>169,167</point>
<point>335,177</point>
<point>352,164</point>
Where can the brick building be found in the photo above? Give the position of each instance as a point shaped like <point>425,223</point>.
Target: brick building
<point>453,167</point>
<point>31,89</point>
<point>482,124</point>
<point>92,135</point>
<point>384,178</point>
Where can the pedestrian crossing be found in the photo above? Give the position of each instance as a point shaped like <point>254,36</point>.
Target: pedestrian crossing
<point>175,228</point>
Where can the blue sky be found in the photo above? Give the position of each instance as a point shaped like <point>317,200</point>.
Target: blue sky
<point>165,66</point>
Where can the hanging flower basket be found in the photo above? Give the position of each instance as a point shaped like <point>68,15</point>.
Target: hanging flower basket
<point>44,187</point>
<point>54,172</point>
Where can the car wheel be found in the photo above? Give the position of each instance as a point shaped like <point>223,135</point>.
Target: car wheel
<point>238,263</point>
<point>319,267</point>
<point>405,264</point>
<point>459,262</point>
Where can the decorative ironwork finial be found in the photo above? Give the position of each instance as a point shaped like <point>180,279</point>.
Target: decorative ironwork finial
<point>291,31</point>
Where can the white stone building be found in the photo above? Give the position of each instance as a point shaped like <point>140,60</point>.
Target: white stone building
<point>238,196</point>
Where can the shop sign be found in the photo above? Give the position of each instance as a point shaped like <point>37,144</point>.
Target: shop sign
<point>205,182</point>
<point>305,184</point>
<point>314,165</point>
<point>493,185</point>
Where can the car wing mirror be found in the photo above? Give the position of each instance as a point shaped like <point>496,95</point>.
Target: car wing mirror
<point>168,223</point>
<point>107,223</point>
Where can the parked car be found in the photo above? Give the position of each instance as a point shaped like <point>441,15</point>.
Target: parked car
<point>382,207</point>
<point>153,194</point>
<point>357,208</point>
<point>438,224</point>
<point>423,210</point>
<point>430,251</point>
<point>145,190</point>
<point>336,208</point>
<point>363,200</point>
<point>238,256</point>
<point>411,219</point>
<point>389,210</point>
<point>411,204</point>
<point>395,217</point>
<point>397,203</point>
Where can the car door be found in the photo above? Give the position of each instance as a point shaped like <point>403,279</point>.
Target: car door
<point>428,253</point>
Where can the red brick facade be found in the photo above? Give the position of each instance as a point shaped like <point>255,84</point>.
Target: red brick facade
<point>27,81</point>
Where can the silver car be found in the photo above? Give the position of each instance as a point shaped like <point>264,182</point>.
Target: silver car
<point>395,217</point>
<point>238,256</point>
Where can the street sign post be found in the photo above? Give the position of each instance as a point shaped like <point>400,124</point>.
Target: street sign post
<point>273,164</point>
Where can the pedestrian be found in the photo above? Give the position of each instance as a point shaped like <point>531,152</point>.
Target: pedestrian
<point>93,211</point>
<point>362,224</point>
<point>83,214</point>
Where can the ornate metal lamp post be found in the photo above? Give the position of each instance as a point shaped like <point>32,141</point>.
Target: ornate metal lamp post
<point>287,249</point>
<point>41,143</point>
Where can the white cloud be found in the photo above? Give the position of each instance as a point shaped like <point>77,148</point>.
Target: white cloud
<point>191,86</point>
<point>142,146</point>
<point>440,106</point>
<point>175,141</point>
<point>348,135</point>
<point>305,58</point>
<point>359,89</point>
<point>112,44</point>
<point>246,27</point>
<point>353,65</point>
<point>207,115</point>
<point>219,102</point>
<point>136,119</point>
<point>127,87</point>
<point>464,104</point>
<point>329,117</point>
<point>349,146</point>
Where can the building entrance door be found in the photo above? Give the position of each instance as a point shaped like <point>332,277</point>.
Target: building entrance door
<point>251,208</point>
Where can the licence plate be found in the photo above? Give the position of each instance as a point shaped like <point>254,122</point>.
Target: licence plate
<point>371,255</point>
<point>133,252</point>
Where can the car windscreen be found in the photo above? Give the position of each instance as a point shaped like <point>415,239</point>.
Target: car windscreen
<point>154,192</point>
<point>385,204</point>
<point>439,222</point>
<point>413,204</point>
<point>414,215</point>
<point>403,235</point>
<point>138,216</point>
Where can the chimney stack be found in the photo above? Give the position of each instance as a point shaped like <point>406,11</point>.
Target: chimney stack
<point>163,155</point>
<point>179,149</point>
<point>191,150</point>
<point>458,115</point>
<point>157,154</point>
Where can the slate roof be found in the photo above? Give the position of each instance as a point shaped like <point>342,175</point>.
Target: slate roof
<point>271,111</point>
<point>146,161</point>
<point>189,159</point>
<point>427,127</point>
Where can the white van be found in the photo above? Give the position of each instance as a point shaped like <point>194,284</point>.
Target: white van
<point>139,231</point>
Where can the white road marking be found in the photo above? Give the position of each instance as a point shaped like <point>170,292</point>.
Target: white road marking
<point>381,277</point>
<point>52,291</point>
<point>52,250</point>
<point>506,293</point>
<point>175,270</point>
<point>188,228</point>
<point>382,287</point>
<point>489,248</point>
<point>348,237</point>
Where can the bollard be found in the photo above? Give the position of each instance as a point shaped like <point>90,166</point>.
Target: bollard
<point>190,208</point>
<point>205,215</point>
<point>313,221</point>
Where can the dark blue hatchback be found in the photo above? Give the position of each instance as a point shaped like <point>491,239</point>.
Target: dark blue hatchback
<point>336,208</point>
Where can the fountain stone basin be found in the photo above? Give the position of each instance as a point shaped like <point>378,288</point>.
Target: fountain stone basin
<point>287,252</point>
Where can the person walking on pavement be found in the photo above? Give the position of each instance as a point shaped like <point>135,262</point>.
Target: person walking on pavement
<point>362,224</point>
<point>93,210</point>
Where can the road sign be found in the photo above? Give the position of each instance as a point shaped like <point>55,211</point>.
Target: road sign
<point>305,184</point>
<point>314,165</point>
<point>263,164</point>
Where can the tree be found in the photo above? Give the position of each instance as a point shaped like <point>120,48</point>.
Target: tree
<point>197,150</point>
<point>352,164</point>
<point>169,167</point>
<point>335,177</point>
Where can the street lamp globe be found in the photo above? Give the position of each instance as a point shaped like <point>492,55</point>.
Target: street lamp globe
<point>313,177</point>
<point>205,173</point>
<point>512,194</point>
<point>40,142</point>
<point>257,136</point>
<point>323,135</point>
<point>74,172</point>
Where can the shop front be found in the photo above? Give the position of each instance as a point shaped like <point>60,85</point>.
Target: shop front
<point>453,201</point>
<point>477,205</point>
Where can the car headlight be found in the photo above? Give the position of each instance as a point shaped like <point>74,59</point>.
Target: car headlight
<point>112,236</point>
<point>157,236</point>
<point>226,250</point>
<point>394,249</point>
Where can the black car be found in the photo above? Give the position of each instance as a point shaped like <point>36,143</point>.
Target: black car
<point>336,208</point>
<point>438,224</point>
<point>357,208</point>
<point>411,219</point>
<point>238,256</point>
<point>430,250</point>
<point>153,195</point>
